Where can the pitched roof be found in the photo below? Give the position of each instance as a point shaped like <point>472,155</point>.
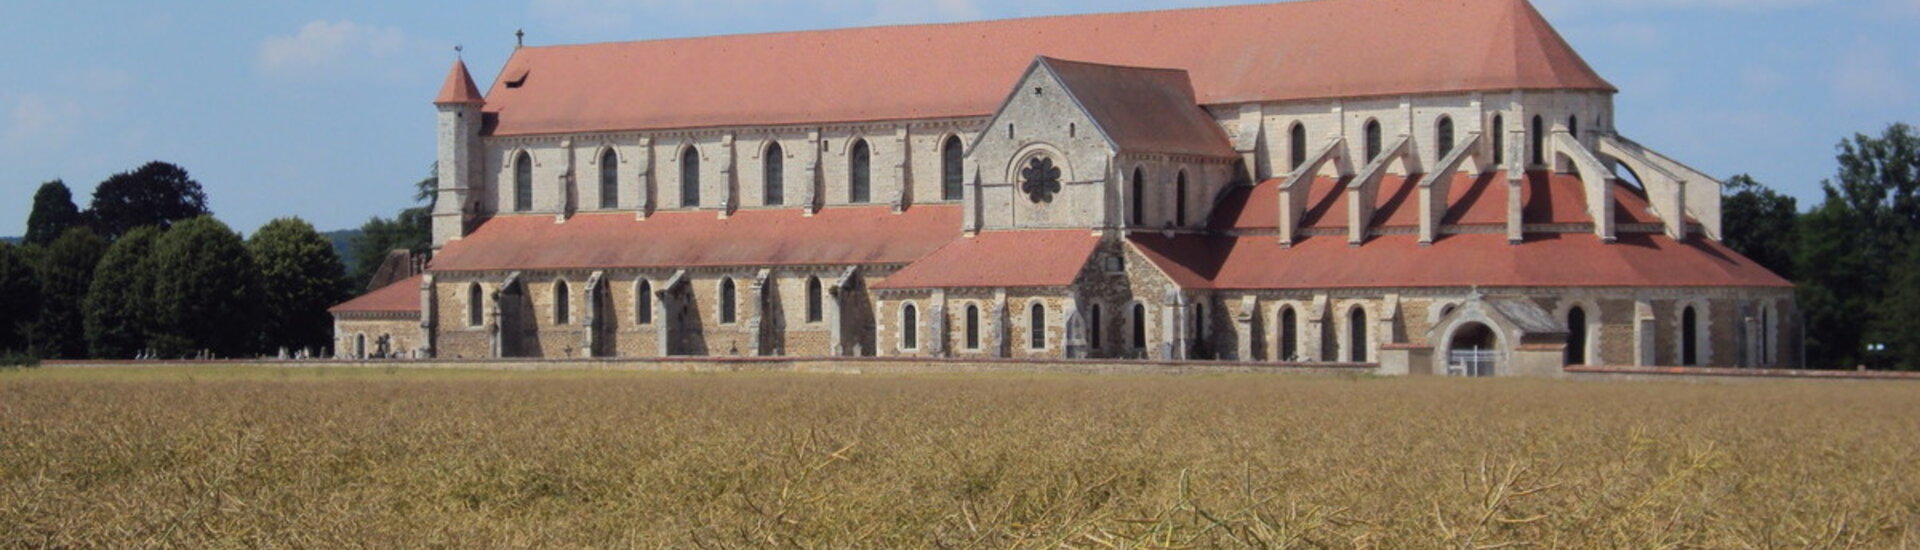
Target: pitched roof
<point>1461,260</point>
<point>459,87</point>
<point>1270,52</point>
<point>1001,259</point>
<point>1143,110</point>
<point>402,296</point>
<point>834,236</point>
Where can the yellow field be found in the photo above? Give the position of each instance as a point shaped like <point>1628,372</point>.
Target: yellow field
<point>242,457</point>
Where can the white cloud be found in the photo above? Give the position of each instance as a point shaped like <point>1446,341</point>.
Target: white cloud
<point>1868,73</point>
<point>39,120</point>
<point>329,45</point>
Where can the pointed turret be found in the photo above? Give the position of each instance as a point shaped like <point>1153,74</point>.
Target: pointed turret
<point>459,88</point>
<point>459,104</point>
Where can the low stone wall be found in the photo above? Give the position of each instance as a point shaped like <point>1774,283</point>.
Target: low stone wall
<point>1726,374</point>
<point>833,365</point>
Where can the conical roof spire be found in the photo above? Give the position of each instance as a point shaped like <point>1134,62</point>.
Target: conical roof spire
<point>459,88</point>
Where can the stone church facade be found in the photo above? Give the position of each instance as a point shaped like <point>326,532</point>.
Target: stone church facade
<point>1240,183</point>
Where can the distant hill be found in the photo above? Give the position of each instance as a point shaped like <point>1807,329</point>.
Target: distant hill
<point>13,240</point>
<point>342,245</point>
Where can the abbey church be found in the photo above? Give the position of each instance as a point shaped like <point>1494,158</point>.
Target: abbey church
<point>1431,187</point>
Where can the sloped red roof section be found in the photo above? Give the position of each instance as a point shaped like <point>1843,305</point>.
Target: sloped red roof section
<point>1486,260</point>
<point>1268,52</point>
<point>402,296</point>
<point>1001,259</point>
<point>834,236</point>
<point>1143,110</point>
<point>459,87</point>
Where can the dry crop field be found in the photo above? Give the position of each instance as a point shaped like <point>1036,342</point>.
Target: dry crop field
<point>265,457</point>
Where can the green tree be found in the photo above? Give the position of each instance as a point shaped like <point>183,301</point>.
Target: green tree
<point>1759,223</point>
<point>300,277</point>
<point>411,229</point>
<point>19,299</point>
<point>1850,245</point>
<point>1896,316</point>
<point>53,213</point>
<point>119,306</point>
<point>157,194</point>
<point>66,271</point>
<point>206,292</point>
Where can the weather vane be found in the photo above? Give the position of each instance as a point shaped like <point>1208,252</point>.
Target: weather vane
<point>457,50</point>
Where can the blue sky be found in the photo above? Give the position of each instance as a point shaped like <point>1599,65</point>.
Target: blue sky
<point>322,109</point>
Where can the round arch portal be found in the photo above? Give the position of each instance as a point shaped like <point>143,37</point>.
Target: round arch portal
<point>1473,349</point>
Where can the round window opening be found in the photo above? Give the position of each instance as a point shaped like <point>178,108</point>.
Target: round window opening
<point>1040,179</point>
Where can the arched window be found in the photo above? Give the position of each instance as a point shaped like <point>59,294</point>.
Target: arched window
<point>1093,328</point>
<point>609,179</point>
<point>562,304</point>
<point>973,326</point>
<point>1538,139</point>
<point>1357,335</point>
<point>910,327</point>
<point>1499,140</point>
<point>1296,146</point>
<point>773,176</point>
<point>690,178</point>
<point>952,169</point>
<point>1037,326</point>
<point>727,313</point>
<point>1289,334</point>
<point>643,302</point>
<point>1180,200</point>
<point>476,305</point>
<point>1443,137</point>
<point>1576,336</point>
<point>1573,126</point>
<point>815,300</point>
<point>1373,140</point>
<point>1139,197</point>
<point>1766,340</point>
<point>1689,336</point>
<point>1139,326</point>
<point>859,176</point>
<point>523,182</point>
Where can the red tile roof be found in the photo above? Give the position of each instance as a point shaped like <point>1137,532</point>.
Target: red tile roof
<point>1486,260</point>
<point>1270,52</point>
<point>402,296</point>
<point>1001,259</point>
<point>834,236</point>
<point>1144,110</point>
<point>459,87</point>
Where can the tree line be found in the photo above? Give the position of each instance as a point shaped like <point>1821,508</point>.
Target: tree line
<point>147,271</point>
<point>1854,258</point>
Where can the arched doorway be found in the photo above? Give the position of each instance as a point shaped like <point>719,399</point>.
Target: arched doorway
<point>1473,350</point>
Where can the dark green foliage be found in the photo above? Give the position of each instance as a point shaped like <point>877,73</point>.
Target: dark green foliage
<point>411,230</point>
<point>300,277</point>
<point>53,213</point>
<point>66,272</point>
<point>157,194</point>
<point>1852,247</point>
<point>206,292</point>
<point>19,299</point>
<point>1759,223</point>
<point>1896,316</point>
<point>1834,277</point>
<point>119,306</point>
<point>342,240</point>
